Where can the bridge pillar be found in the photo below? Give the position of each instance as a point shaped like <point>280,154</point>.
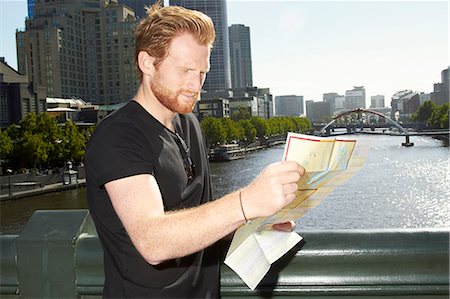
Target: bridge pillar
<point>45,254</point>
<point>407,143</point>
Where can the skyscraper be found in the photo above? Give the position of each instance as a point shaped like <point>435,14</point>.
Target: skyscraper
<point>219,76</point>
<point>377,101</point>
<point>240,56</point>
<point>81,49</point>
<point>138,6</point>
<point>355,98</point>
<point>289,105</point>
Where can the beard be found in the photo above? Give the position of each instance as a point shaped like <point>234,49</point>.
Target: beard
<point>169,99</point>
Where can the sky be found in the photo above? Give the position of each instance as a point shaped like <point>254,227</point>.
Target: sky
<point>309,48</point>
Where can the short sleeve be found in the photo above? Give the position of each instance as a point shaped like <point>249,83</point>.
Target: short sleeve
<point>116,151</point>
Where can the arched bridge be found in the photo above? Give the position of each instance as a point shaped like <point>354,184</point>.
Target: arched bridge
<point>362,120</point>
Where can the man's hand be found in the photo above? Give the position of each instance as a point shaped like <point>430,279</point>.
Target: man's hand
<point>285,226</point>
<point>272,190</point>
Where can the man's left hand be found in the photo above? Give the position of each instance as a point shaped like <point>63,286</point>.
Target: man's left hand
<point>285,226</point>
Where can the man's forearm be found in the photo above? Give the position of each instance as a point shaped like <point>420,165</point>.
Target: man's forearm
<point>184,232</point>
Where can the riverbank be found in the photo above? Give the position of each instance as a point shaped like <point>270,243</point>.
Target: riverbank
<point>42,190</point>
<point>229,152</point>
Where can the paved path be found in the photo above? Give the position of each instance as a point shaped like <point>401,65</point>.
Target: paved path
<point>44,189</point>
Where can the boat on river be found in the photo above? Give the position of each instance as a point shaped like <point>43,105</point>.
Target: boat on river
<point>226,152</point>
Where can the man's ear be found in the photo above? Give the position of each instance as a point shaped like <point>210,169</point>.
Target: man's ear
<point>145,62</point>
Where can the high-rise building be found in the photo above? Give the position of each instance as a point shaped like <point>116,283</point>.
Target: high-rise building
<point>377,101</point>
<point>240,56</point>
<point>289,105</point>
<point>355,98</point>
<point>17,98</point>
<point>440,94</point>
<point>404,103</point>
<point>318,112</point>
<point>335,101</point>
<point>82,49</point>
<point>219,76</point>
<point>258,101</point>
<point>138,6</point>
<point>30,8</point>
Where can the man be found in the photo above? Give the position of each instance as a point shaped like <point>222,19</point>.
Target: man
<point>148,183</point>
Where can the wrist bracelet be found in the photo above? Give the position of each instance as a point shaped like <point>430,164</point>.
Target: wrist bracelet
<point>242,209</point>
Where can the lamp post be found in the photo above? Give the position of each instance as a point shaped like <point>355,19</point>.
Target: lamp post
<point>69,170</point>
<point>9,172</point>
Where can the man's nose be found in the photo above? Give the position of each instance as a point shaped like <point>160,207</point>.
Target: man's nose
<point>195,82</point>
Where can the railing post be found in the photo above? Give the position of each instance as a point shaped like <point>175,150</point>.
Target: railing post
<point>45,254</point>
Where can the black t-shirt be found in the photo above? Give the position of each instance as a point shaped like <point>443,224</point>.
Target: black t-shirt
<point>130,142</point>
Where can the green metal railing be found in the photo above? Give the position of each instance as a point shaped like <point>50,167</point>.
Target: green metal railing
<point>58,255</point>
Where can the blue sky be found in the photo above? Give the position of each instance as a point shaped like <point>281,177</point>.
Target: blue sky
<point>312,47</point>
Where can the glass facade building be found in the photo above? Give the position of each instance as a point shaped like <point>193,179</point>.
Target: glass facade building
<point>240,56</point>
<point>219,76</point>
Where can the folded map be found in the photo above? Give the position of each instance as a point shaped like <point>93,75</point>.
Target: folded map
<point>328,163</point>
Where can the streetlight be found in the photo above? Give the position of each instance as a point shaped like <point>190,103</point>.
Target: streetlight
<point>9,172</point>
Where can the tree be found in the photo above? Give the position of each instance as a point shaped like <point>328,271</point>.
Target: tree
<point>6,145</point>
<point>240,114</point>
<point>45,129</point>
<point>32,151</point>
<point>213,130</point>
<point>249,129</point>
<point>439,117</point>
<point>260,125</point>
<point>424,112</point>
<point>74,143</point>
<point>233,131</point>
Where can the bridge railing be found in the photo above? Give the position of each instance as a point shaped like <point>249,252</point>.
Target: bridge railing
<point>58,255</point>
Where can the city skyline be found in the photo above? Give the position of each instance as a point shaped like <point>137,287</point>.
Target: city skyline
<point>310,48</point>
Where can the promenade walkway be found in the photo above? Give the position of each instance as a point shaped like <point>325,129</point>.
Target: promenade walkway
<point>41,190</point>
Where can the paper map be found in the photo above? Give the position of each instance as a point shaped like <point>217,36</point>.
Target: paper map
<point>328,163</point>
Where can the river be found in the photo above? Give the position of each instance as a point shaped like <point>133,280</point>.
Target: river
<point>399,187</point>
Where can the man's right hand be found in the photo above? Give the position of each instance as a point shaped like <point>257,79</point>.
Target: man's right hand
<point>272,190</point>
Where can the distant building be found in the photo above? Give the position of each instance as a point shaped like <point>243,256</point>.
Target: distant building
<point>218,107</point>
<point>289,105</point>
<point>258,101</point>
<point>423,97</point>
<point>240,56</point>
<point>138,6</point>
<point>30,8</point>
<point>82,49</point>
<point>336,101</point>
<point>339,105</point>
<point>355,98</point>
<point>318,112</point>
<point>18,97</point>
<point>75,110</point>
<point>440,94</point>
<point>219,77</point>
<point>406,102</point>
<point>377,101</point>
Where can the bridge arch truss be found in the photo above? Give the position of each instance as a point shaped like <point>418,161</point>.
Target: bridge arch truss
<point>360,111</point>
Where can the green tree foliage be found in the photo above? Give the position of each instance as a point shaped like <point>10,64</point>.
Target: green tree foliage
<point>215,133</point>
<point>38,141</point>
<point>261,126</point>
<point>31,151</point>
<point>233,131</point>
<point>6,145</point>
<point>424,112</point>
<point>439,117</point>
<point>74,143</point>
<point>240,114</point>
<point>249,130</point>
<point>225,130</point>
